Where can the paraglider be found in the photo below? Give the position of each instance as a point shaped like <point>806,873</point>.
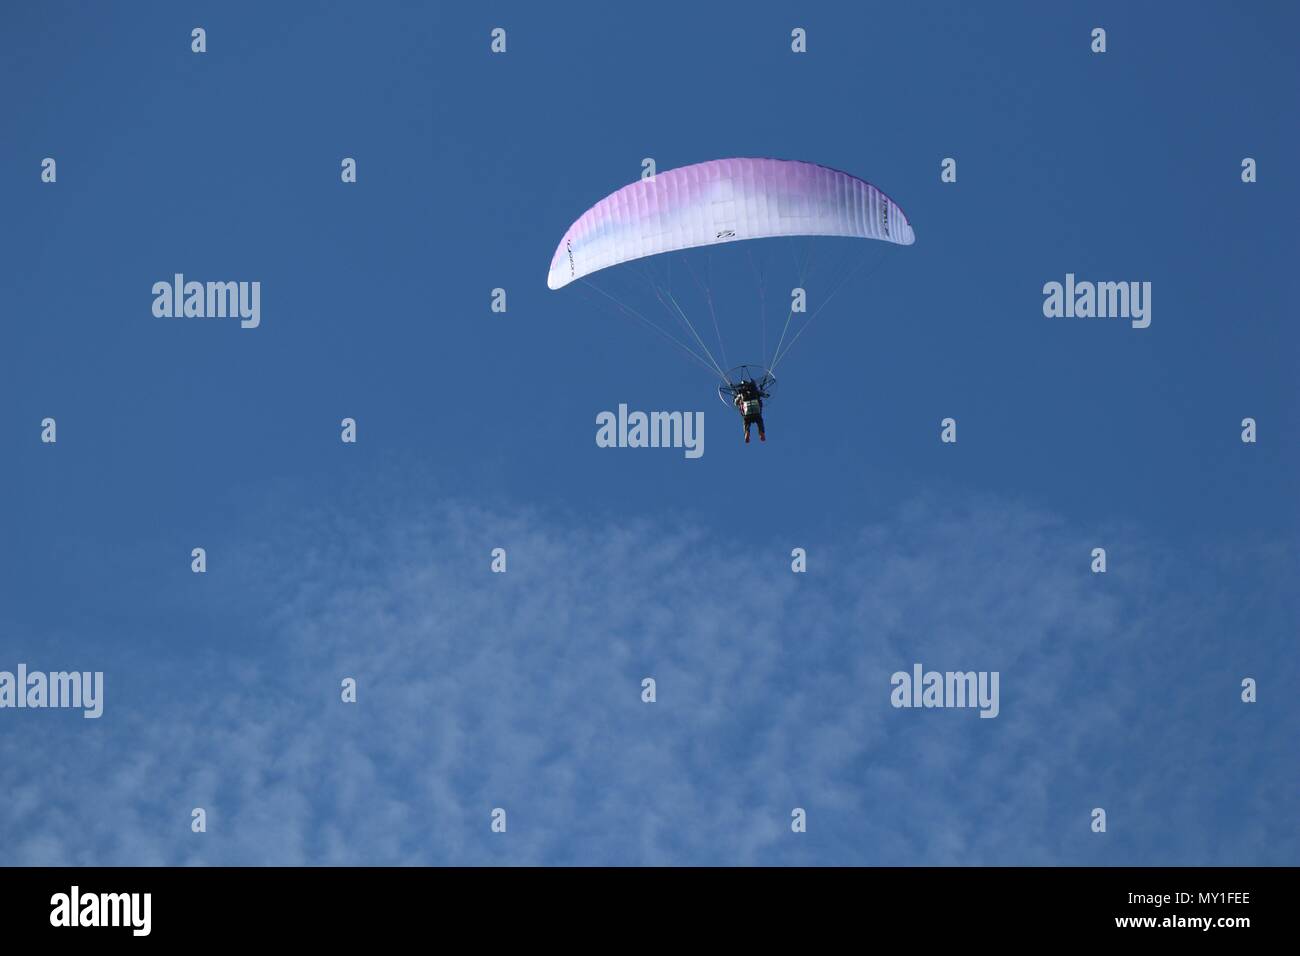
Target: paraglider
<point>747,387</point>
<point>718,203</point>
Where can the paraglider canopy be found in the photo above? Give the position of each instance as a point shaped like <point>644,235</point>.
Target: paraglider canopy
<point>724,200</point>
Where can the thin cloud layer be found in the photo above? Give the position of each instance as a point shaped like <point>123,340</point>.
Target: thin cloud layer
<point>523,691</point>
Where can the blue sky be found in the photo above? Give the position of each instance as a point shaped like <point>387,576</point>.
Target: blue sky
<point>477,431</point>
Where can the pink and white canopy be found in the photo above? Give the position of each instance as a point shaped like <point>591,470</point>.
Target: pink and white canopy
<point>724,200</point>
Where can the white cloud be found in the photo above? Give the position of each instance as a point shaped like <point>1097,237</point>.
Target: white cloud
<point>522,691</point>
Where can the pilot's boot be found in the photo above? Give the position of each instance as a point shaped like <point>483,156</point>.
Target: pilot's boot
<point>762,436</point>
<point>746,436</point>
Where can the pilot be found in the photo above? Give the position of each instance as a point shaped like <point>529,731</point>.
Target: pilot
<point>749,402</point>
